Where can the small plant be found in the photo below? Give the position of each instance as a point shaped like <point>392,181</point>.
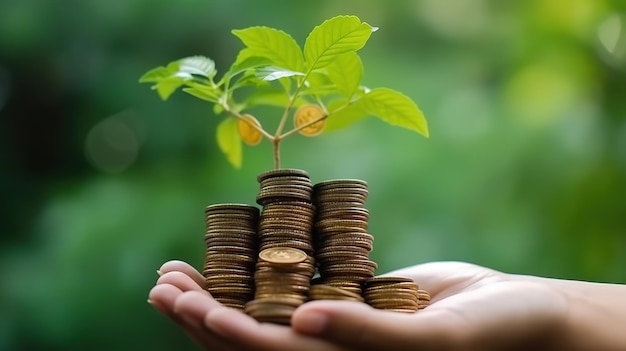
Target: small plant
<point>321,82</point>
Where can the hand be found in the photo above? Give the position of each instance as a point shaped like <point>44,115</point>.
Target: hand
<point>472,308</point>
<point>179,295</point>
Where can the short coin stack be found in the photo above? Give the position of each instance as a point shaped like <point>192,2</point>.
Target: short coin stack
<point>284,230</point>
<point>342,243</point>
<point>327,292</point>
<point>424,299</point>
<point>231,251</point>
<point>392,293</point>
<point>282,279</point>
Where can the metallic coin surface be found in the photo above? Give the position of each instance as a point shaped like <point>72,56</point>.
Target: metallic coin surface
<point>305,117</point>
<point>248,128</point>
<point>283,255</point>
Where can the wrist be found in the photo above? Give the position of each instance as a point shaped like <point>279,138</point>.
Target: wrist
<point>594,318</point>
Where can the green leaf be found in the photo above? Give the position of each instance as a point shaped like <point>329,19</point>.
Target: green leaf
<point>273,44</point>
<point>316,81</point>
<point>155,75</point>
<point>229,141</point>
<point>176,73</point>
<point>166,87</point>
<point>165,79</point>
<point>248,79</point>
<point>273,97</point>
<point>196,65</point>
<point>271,73</point>
<point>342,118</point>
<point>346,72</point>
<point>395,108</point>
<point>334,37</point>
<point>217,109</point>
<point>203,92</point>
<point>245,61</point>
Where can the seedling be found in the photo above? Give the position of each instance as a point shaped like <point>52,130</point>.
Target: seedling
<point>318,86</point>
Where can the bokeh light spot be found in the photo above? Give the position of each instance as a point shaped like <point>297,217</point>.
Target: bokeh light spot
<point>609,32</point>
<point>540,94</point>
<point>112,145</point>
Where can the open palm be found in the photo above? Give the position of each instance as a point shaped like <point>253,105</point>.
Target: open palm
<point>472,308</point>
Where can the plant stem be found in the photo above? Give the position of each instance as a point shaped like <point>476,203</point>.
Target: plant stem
<point>239,116</point>
<point>276,147</point>
<point>295,130</point>
<point>283,120</point>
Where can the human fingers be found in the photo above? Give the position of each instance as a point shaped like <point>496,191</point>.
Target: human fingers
<point>180,280</point>
<point>248,334</point>
<point>184,267</point>
<point>361,327</point>
<point>163,298</point>
<point>192,307</point>
<point>499,316</point>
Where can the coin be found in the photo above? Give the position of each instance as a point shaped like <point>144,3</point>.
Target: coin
<point>306,115</point>
<point>248,128</point>
<point>328,292</point>
<point>283,172</point>
<point>398,294</point>
<point>263,261</point>
<point>282,255</point>
<point>338,183</point>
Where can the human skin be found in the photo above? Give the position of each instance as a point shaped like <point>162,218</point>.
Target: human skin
<point>472,308</point>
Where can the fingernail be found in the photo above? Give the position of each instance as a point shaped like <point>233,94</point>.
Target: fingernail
<point>312,323</point>
<point>159,273</point>
<point>150,301</point>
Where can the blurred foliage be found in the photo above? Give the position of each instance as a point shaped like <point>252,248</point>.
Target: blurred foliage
<point>525,170</point>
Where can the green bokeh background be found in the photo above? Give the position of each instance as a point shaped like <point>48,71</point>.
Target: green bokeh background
<point>101,182</point>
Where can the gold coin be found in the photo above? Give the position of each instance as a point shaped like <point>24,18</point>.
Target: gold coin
<point>316,292</point>
<point>383,280</point>
<point>307,114</point>
<point>342,183</point>
<point>281,172</point>
<point>249,134</point>
<point>283,255</point>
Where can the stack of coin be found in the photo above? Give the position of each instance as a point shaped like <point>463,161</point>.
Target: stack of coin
<point>327,292</point>
<point>423,299</point>
<point>285,230</point>
<point>282,280</point>
<point>342,243</point>
<point>287,216</point>
<point>231,251</point>
<point>392,293</point>
<point>263,262</point>
<point>284,185</point>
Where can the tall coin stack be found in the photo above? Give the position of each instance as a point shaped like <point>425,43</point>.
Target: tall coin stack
<point>342,243</point>
<point>231,252</point>
<point>285,225</point>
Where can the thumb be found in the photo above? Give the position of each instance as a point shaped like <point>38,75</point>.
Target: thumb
<point>358,326</point>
